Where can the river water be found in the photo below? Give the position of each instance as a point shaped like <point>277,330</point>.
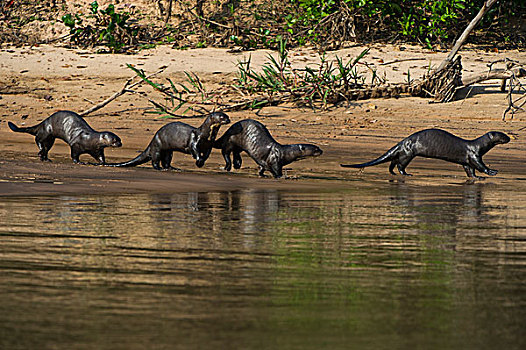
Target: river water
<point>389,266</point>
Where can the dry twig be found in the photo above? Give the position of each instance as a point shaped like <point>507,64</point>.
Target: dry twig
<point>515,86</point>
<point>126,88</point>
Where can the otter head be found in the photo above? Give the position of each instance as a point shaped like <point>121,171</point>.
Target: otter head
<point>308,150</point>
<point>497,137</point>
<point>301,151</point>
<point>219,118</point>
<point>216,120</point>
<point>110,139</point>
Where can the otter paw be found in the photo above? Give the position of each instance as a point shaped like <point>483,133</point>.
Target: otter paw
<point>491,172</point>
<point>172,168</point>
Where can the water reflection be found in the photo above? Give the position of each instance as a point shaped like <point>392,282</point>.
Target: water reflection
<point>395,265</point>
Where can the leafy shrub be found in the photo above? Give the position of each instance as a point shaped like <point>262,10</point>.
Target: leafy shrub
<point>426,21</point>
<point>105,27</point>
<point>327,83</point>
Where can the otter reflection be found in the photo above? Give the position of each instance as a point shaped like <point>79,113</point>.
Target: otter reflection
<point>444,208</point>
<point>219,212</point>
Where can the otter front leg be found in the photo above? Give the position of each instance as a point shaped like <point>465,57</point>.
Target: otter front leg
<point>194,151</point>
<point>480,166</point>
<point>75,154</point>
<point>99,155</point>
<point>166,160</point>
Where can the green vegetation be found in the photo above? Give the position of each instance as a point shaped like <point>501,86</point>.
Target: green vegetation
<point>104,27</point>
<point>424,21</point>
<point>325,83</point>
<point>192,95</point>
<point>327,24</point>
<point>317,87</point>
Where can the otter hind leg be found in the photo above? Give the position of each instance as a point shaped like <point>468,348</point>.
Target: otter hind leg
<point>403,162</point>
<point>156,159</point>
<point>75,154</point>
<point>470,171</point>
<point>226,155</point>
<point>276,170</point>
<point>401,170</point>
<point>492,172</point>
<point>237,159</point>
<point>392,166</point>
<point>44,145</point>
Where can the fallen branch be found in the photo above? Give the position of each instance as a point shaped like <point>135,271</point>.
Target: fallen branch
<point>402,60</point>
<point>517,72</point>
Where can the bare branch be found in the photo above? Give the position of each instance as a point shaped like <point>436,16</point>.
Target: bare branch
<point>485,8</point>
<point>125,88</point>
<point>517,72</point>
<point>402,60</point>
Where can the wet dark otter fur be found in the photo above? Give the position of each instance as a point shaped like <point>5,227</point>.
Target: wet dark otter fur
<point>253,137</point>
<point>183,138</point>
<point>75,131</point>
<point>436,143</point>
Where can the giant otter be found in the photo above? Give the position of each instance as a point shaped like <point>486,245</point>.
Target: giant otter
<point>437,143</point>
<point>73,129</point>
<point>183,138</point>
<point>253,137</point>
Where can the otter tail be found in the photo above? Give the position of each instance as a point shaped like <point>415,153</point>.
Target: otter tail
<point>140,159</point>
<point>29,130</point>
<point>388,156</point>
